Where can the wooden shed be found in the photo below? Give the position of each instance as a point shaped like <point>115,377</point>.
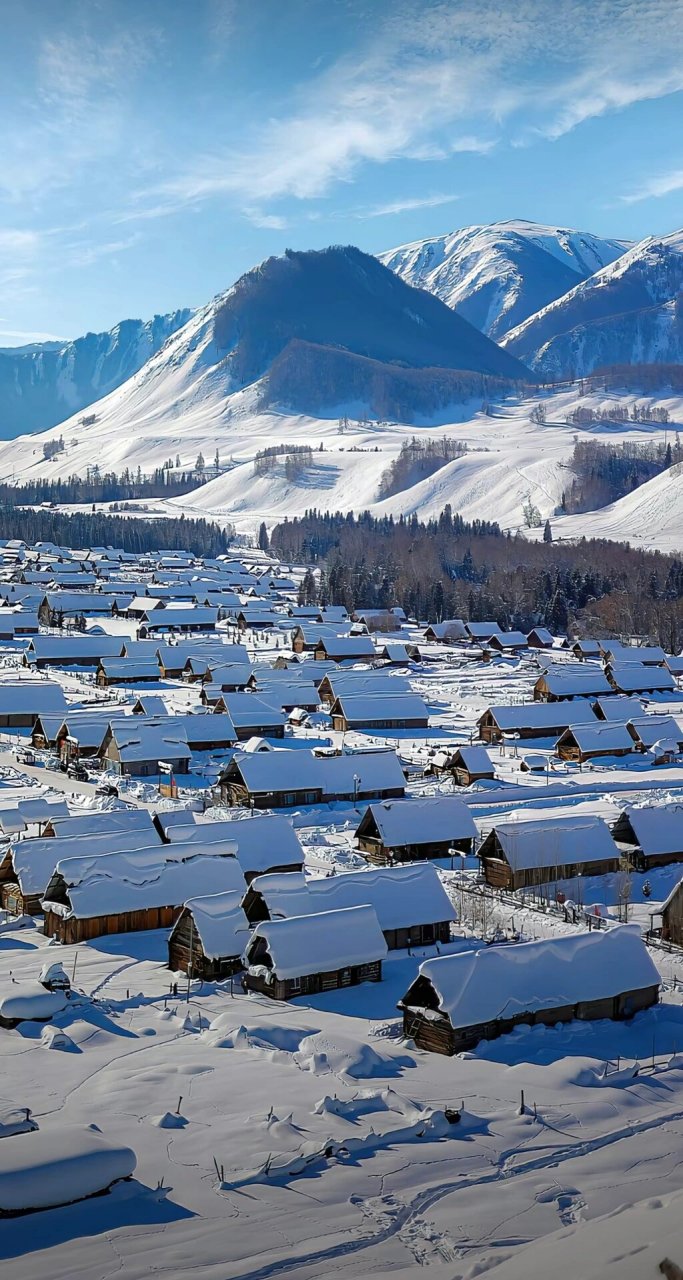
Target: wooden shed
<point>672,916</point>
<point>583,742</point>
<point>545,849</point>
<point>650,835</point>
<point>410,830</point>
<point>379,711</point>
<point>285,779</point>
<point>465,764</point>
<point>532,720</point>
<point>209,936</point>
<point>458,1000</point>
<point>127,892</point>
<point>307,954</point>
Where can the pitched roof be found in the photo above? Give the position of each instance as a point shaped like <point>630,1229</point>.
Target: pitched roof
<point>220,922</point>
<point>321,943</point>
<point>426,821</point>
<point>549,840</point>
<point>499,982</point>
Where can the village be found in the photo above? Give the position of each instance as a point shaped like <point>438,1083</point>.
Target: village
<point>437,864</point>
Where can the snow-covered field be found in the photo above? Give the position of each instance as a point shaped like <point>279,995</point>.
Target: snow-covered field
<point>309,1138</point>
<point>510,460</point>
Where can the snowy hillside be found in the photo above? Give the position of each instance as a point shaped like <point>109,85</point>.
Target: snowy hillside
<point>629,312</point>
<point>42,384</point>
<point>651,516</point>
<point>497,276</point>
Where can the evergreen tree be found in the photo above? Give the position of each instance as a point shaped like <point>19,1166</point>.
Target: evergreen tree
<point>263,539</point>
<point>547,532</point>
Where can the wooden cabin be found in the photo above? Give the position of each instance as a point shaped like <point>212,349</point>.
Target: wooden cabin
<point>357,682</point>
<point>251,716</point>
<point>21,702</point>
<point>136,749</point>
<point>264,843</point>
<point>307,954</point>
<point>143,889</point>
<point>650,835</point>
<point>540,638</point>
<point>344,649</point>
<point>458,1000</point>
<point>450,631</point>
<point>582,742</point>
<point>546,849</point>
<point>507,642</point>
<point>635,677</point>
<point>569,682</point>
<point>379,711</point>
<point>410,902</point>
<point>410,830</point>
<point>126,671</point>
<point>285,779</point>
<point>466,765</point>
<point>672,916</point>
<point>532,720</point>
<point>208,938</point>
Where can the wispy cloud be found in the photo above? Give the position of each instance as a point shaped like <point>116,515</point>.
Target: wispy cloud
<point>20,337</point>
<point>265,221</point>
<point>86,253</point>
<point>406,205</point>
<point>665,184</point>
<point>432,69</point>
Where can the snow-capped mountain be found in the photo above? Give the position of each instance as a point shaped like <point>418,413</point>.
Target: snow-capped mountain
<point>307,332</point>
<point>630,312</point>
<point>40,385</point>
<point>497,276</point>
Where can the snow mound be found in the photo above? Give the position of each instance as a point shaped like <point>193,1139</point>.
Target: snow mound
<point>59,1166</point>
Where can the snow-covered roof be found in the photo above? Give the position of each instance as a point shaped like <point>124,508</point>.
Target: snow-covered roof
<point>474,759</point>
<point>348,646</point>
<point>145,878</point>
<point>631,677</point>
<point>421,821</point>
<point>247,710</point>
<point>619,707</point>
<point>401,896</point>
<point>333,775</point>
<point>31,697</point>
<point>34,860</point>
<point>602,735</point>
<point>658,828</point>
<point>130,669</point>
<point>541,715</point>
<point>137,740</point>
<point>651,729</point>
<point>221,924</point>
<point>29,1000</point>
<point>321,943</point>
<point>549,840</point>
<point>376,708</point>
<point>576,681</point>
<point>499,982</point>
<point>262,841</point>
<point>449,629</point>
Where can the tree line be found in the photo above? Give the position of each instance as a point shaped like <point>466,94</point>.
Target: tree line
<point>451,568</point>
<point>137,536</point>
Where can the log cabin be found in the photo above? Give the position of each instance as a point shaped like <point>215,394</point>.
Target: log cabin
<point>545,849</point>
<point>307,954</point>
<point>532,720</point>
<point>410,902</point>
<point>458,1000</point>
<point>285,779</point>
<point>671,913</point>
<point>379,711</point>
<point>582,742</point>
<point>410,830</point>
<point>87,897</point>
<point>650,835</point>
<point>568,682</point>
<point>344,649</point>
<point>637,678</point>
<point>466,765</point>
<point>22,701</point>
<point>209,936</point>
<point>264,843</point>
<point>251,716</point>
<point>136,749</point>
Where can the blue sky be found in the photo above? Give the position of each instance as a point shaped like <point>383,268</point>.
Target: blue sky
<point>153,151</point>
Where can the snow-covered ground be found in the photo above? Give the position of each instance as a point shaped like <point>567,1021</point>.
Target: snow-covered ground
<point>510,460</point>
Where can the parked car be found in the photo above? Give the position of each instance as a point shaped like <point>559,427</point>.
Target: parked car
<point>26,756</point>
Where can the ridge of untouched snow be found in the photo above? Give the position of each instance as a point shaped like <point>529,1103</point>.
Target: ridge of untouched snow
<point>496,276</point>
